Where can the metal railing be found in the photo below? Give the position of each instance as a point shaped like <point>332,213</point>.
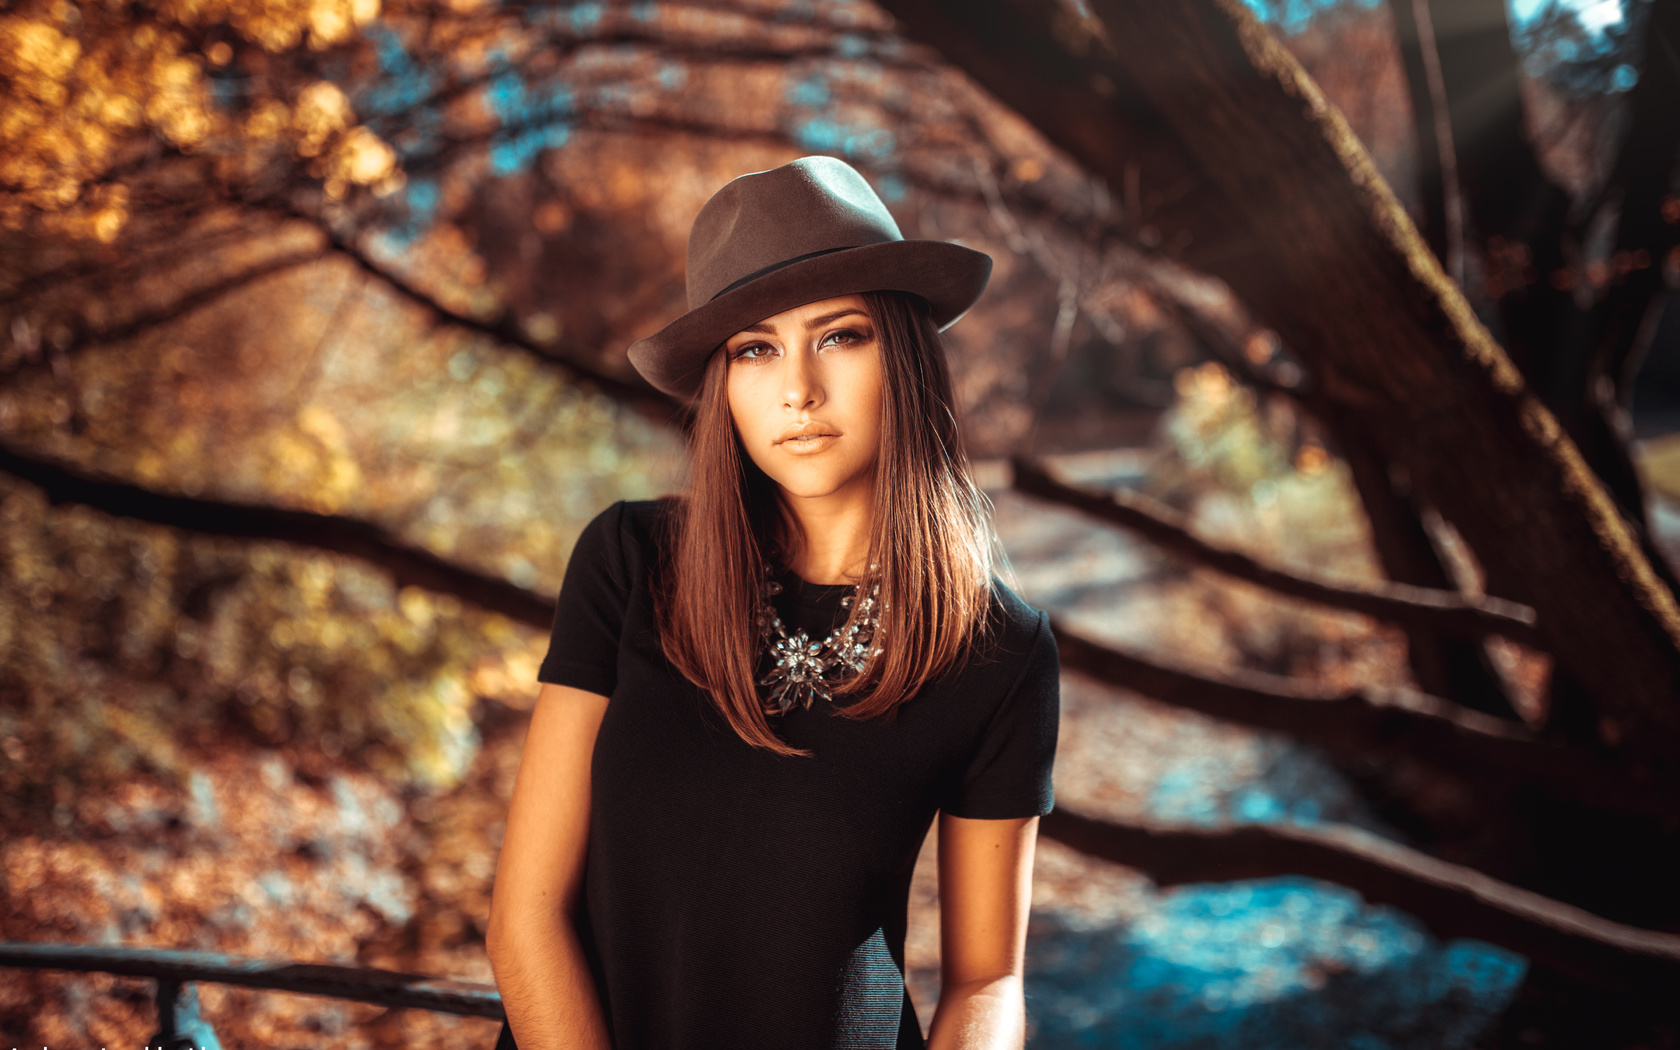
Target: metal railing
<point>182,1027</point>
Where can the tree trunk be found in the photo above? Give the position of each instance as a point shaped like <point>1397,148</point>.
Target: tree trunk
<point>1456,668</point>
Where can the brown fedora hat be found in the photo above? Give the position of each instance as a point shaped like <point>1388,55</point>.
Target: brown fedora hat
<point>809,230</point>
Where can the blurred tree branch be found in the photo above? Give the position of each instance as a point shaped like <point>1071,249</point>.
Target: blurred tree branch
<point>1447,611</point>
<point>1453,901</point>
<point>1442,223</point>
<point>83,336</point>
<point>1372,721</point>
<point>407,564</point>
<point>504,328</point>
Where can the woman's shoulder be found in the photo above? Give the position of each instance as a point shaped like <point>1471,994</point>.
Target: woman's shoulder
<point>1016,626</point>
<point>1013,609</point>
<point>636,527</point>
<point>646,519</point>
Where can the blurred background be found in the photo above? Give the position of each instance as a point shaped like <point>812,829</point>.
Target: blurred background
<point>312,328</point>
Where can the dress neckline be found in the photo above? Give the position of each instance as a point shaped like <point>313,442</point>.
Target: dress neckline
<point>813,595</point>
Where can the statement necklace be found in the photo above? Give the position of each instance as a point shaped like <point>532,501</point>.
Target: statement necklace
<point>803,668</point>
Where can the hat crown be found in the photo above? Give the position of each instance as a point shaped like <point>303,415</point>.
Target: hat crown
<point>766,219</point>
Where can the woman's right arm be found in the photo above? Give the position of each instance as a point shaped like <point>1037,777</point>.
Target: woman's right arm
<point>532,940</point>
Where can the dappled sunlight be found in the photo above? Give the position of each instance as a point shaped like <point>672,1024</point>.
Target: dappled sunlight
<point>80,81</point>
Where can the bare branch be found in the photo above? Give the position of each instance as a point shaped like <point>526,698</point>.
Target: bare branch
<point>1283,378</point>
<point>1459,614</point>
<point>504,329</point>
<point>1443,206</point>
<point>190,302</point>
<point>698,50</point>
<point>1372,720</point>
<point>140,257</point>
<point>1451,900</point>
<point>407,564</point>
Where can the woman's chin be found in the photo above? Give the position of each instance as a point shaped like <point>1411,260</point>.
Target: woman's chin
<point>817,482</point>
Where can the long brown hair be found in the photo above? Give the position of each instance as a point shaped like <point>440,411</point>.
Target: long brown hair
<point>932,539</point>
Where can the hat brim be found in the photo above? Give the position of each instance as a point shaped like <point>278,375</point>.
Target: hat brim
<point>949,276</point>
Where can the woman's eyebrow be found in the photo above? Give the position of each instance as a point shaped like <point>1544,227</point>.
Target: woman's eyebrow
<point>815,322</point>
<point>818,322</point>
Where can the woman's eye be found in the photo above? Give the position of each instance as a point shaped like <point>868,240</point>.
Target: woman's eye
<point>747,351</point>
<point>844,335</point>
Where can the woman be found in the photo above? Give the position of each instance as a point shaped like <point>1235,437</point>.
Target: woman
<point>807,656</point>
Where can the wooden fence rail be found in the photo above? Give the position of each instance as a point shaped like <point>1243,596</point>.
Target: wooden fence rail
<point>180,1024</point>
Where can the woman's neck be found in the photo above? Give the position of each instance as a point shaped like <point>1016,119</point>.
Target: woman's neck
<point>828,536</point>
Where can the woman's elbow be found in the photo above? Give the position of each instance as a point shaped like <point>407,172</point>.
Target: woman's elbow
<point>506,919</point>
<point>513,919</point>
<point>495,936</point>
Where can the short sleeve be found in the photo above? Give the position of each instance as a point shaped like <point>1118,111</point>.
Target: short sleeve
<point>1009,775</point>
<point>589,617</point>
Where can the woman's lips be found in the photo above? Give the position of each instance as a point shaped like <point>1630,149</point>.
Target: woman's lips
<point>808,446</point>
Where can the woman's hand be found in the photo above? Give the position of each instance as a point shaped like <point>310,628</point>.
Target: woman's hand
<point>985,892</point>
<point>547,990</point>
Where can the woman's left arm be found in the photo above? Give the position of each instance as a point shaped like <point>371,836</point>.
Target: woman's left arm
<point>985,891</point>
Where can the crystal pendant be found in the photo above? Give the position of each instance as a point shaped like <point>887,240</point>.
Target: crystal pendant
<point>802,667</point>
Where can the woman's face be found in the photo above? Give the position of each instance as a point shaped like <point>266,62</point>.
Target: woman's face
<point>812,370</point>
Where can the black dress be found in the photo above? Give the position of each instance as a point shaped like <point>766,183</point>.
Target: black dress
<point>740,900</point>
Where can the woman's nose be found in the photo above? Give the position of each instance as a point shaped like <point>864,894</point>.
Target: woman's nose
<point>801,380</point>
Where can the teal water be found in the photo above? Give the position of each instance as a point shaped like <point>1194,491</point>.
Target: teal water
<point>1284,963</point>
